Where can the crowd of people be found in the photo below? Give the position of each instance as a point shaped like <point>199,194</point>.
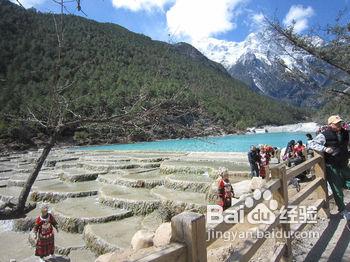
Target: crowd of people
<point>259,159</point>
<point>332,140</point>
<point>293,154</point>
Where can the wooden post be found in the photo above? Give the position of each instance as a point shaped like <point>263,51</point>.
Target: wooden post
<point>285,227</point>
<point>268,173</point>
<point>322,191</point>
<point>280,172</point>
<point>189,228</point>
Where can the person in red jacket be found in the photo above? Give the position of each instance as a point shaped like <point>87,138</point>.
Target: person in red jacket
<point>299,147</point>
<point>225,190</point>
<point>44,234</point>
<point>264,162</point>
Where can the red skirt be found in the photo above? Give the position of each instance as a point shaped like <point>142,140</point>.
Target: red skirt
<point>45,246</point>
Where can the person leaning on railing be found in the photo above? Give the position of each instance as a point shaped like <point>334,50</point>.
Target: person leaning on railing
<point>334,141</point>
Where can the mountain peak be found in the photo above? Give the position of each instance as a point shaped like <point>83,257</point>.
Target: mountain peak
<point>262,64</point>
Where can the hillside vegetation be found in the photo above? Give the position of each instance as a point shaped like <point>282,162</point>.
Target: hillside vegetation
<point>108,66</point>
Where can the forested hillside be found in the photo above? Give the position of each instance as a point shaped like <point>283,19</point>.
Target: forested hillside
<point>106,67</point>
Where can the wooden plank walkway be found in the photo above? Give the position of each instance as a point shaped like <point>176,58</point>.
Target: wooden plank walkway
<point>334,241</point>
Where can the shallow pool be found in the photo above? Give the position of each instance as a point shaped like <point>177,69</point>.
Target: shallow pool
<point>230,143</point>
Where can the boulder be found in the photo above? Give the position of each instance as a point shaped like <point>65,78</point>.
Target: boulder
<point>241,188</point>
<point>257,183</point>
<point>163,235</point>
<point>142,239</point>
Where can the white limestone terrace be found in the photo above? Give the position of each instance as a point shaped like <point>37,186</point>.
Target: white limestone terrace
<point>101,198</point>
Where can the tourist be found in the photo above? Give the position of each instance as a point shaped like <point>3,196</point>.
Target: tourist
<point>309,151</point>
<point>308,137</point>
<point>334,143</point>
<point>277,154</point>
<point>288,153</point>
<point>264,162</point>
<point>298,148</point>
<point>44,234</point>
<point>225,190</point>
<point>254,161</point>
<point>298,157</point>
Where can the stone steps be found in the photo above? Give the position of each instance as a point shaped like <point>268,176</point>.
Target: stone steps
<point>3,183</point>
<point>200,167</point>
<point>73,214</point>
<point>180,200</point>
<point>51,161</point>
<point>79,175</point>
<point>10,193</point>
<point>147,178</point>
<point>188,182</point>
<point>121,159</point>
<point>140,201</point>
<point>111,236</point>
<point>102,166</point>
<point>56,190</point>
<point>4,176</point>
<point>19,179</point>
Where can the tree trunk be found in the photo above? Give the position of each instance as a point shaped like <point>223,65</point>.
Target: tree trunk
<point>22,199</point>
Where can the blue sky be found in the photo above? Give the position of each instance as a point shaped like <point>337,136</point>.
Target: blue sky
<point>193,20</point>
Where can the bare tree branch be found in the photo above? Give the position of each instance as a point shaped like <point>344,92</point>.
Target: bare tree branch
<point>340,92</point>
<point>18,2</point>
<point>301,43</point>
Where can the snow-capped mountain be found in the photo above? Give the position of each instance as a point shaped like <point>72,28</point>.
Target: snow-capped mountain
<point>227,53</point>
<point>262,64</point>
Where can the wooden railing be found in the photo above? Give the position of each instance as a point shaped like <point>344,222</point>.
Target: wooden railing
<point>189,229</point>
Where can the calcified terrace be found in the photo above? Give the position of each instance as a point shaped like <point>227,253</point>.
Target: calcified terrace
<point>101,198</point>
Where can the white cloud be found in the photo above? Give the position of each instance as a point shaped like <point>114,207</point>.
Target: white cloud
<point>258,18</point>
<point>256,22</point>
<point>298,16</point>
<point>196,19</point>
<point>29,3</point>
<point>138,5</point>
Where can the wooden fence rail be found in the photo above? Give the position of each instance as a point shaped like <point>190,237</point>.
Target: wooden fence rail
<point>189,229</point>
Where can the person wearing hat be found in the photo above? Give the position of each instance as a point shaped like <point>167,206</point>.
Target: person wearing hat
<point>334,142</point>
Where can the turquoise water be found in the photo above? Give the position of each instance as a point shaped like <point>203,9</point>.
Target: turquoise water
<point>230,143</point>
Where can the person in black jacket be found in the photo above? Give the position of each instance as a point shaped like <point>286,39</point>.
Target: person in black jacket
<point>254,160</point>
<point>334,141</point>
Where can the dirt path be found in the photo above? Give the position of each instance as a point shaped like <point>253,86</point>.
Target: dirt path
<point>333,243</point>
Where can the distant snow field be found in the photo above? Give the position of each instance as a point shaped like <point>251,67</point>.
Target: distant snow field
<point>309,127</point>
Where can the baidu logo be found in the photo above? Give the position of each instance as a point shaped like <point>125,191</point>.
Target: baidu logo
<point>261,213</point>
